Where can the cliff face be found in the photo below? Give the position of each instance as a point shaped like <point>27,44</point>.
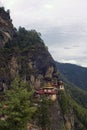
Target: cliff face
<point>59,120</point>
<point>23,53</point>
<point>6,27</point>
<point>33,65</point>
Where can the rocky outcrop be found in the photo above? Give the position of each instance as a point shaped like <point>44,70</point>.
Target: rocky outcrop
<point>56,116</point>
<point>34,64</point>
<point>60,121</point>
<point>69,120</point>
<point>13,67</point>
<point>29,59</point>
<point>6,27</point>
<point>49,72</point>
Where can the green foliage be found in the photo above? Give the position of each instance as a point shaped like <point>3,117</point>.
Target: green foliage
<point>27,38</point>
<point>64,102</point>
<point>42,113</point>
<point>78,95</point>
<point>32,34</point>
<point>18,110</point>
<point>79,111</point>
<point>2,8</point>
<point>67,103</point>
<point>63,127</point>
<point>75,74</point>
<point>78,125</point>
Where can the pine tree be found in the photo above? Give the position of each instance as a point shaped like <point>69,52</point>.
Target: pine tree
<point>16,108</point>
<point>42,113</point>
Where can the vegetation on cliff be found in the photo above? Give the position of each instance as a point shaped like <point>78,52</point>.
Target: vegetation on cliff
<point>26,66</point>
<point>16,108</point>
<point>69,105</point>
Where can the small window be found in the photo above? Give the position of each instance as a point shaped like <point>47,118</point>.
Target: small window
<point>49,90</point>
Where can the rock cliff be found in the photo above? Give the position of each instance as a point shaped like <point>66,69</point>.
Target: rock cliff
<point>6,27</point>
<point>23,53</point>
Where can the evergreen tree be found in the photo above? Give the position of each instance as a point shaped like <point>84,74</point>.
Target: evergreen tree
<point>16,108</point>
<point>42,113</point>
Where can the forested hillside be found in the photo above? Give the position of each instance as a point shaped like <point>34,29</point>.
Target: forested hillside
<point>74,73</point>
<point>32,95</point>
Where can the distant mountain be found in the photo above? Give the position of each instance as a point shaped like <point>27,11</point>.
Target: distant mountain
<point>75,74</point>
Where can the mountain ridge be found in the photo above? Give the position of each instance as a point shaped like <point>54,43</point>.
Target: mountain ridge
<point>27,66</point>
<point>74,73</point>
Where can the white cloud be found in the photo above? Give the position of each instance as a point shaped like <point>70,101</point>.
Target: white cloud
<point>63,24</point>
<point>54,12</point>
<point>68,61</point>
<point>49,6</point>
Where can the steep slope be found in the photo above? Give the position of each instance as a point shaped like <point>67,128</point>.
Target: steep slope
<point>78,94</point>
<point>6,27</point>
<point>7,33</point>
<point>25,57</point>
<point>75,74</point>
<point>23,53</point>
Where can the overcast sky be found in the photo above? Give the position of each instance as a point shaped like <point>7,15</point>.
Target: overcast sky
<point>62,23</point>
